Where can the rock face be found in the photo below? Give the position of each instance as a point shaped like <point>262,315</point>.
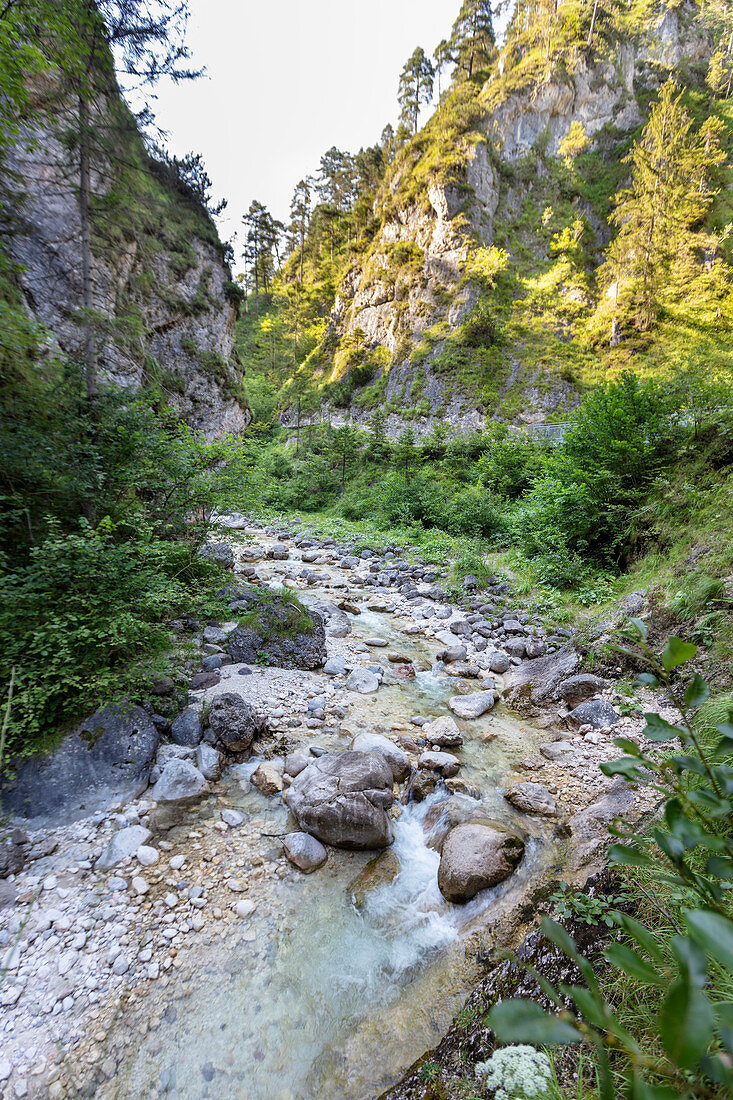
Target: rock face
<point>233,722</point>
<point>396,757</point>
<point>475,857</point>
<point>175,283</point>
<point>342,799</point>
<point>107,759</point>
<point>306,649</point>
<point>576,689</point>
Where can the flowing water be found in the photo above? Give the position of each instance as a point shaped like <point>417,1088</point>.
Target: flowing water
<point>340,979</point>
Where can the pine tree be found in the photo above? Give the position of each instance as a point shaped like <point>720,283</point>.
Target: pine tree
<point>658,216</point>
<point>472,38</point>
<point>416,87</point>
<point>300,217</point>
<point>261,251</point>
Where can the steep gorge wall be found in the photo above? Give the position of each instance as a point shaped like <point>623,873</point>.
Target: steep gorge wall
<point>159,276</point>
<point>396,309</point>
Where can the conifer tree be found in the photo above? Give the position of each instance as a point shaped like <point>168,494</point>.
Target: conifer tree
<point>416,87</point>
<point>472,38</point>
<point>300,216</point>
<point>659,214</point>
<point>261,251</point>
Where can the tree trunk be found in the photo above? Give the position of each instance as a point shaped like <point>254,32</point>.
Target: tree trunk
<point>592,22</point>
<point>90,354</point>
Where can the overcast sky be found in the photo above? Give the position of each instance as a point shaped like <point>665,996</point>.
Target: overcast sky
<point>286,80</point>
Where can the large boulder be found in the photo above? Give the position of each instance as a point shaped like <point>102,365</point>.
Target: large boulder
<point>362,680</point>
<point>596,712</point>
<point>443,732</point>
<point>536,682</point>
<point>531,798</point>
<point>179,780</point>
<point>576,689</point>
<point>108,759</point>
<point>13,849</point>
<point>186,729</point>
<point>475,857</point>
<point>342,799</point>
<point>283,636</point>
<point>473,705</point>
<point>232,721</point>
<point>396,757</point>
<point>124,843</point>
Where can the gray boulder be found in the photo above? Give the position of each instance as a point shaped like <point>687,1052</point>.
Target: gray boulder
<point>498,661</point>
<point>473,705</point>
<point>576,689</point>
<point>596,712</point>
<point>342,799</point>
<point>108,759</point>
<point>475,857</point>
<point>273,638</point>
<point>531,798</point>
<point>208,761</point>
<point>335,666</point>
<point>186,729</point>
<point>443,732</point>
<point>123,844</point>
<point>13,849</point>
<point>232,721</point>
<point>219,552</point>
<point>536,682</point>
<point>179,780</point>
<point>443,762</point>
<point>396,757</point>
<point>295,762</point>
<point>453,653</point>
<point>304,851</point>
<point>363,681</point>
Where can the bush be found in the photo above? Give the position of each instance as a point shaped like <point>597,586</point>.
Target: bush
<point>83,622</point>
<point>678,969</point>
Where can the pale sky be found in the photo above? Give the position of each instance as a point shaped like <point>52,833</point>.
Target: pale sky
<point>286,80</point>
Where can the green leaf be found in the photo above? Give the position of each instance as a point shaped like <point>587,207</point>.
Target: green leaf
<point>632,964</point>
<point>642,1090</point>
<point>639,626</point>
<point>691,958</point>
<point>518,1021</point>
<point>676,653</point>
<point>593,1008</point>
<point>697,691</point>
<point>646,679</point>
<point>624,856</point>
<point>628,746</point>
<point>713,932</point>
<point>724,1021</point>
<point>642,935</point>
<point>686,1024</point>
<point>657,729</point>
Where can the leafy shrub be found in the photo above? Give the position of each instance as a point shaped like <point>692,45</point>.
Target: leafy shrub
<point>84,621</point>
<point>682,965</point>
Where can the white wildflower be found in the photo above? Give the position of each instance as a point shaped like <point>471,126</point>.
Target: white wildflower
<point>516,1073</point>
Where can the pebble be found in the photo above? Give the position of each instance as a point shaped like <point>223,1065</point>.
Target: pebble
<point>177,862</point>
<point>115,884</point>
<point>245,908</point>
<point>232,818</point>
<point>146,855</point>
<point>139,885</point>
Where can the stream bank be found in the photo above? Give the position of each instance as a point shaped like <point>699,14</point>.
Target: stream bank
<point>204,976</point>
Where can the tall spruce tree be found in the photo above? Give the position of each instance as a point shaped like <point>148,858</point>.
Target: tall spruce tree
<point>416,87</point>
<point>472,38</point>
<point>659,214</point>
<point>300,217</point>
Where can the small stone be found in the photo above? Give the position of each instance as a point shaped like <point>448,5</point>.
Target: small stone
<point>197,922</point>
<point>116,884</point>
<point>171,900</point>
<point>304,851</point>
<point>245,908</point>
<point>121,965</point>
<point>146,856</point>
<point>139,885</point>
<point>177,862</point>
<point>233,818</point>
<point>5,1070</point>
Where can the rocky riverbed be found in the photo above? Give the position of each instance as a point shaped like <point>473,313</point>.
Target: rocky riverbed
<point>172,944</point>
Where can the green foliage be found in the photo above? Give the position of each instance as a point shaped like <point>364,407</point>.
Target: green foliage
<point>84,621</point>
<point>684,965</point>
<point>586,909</point>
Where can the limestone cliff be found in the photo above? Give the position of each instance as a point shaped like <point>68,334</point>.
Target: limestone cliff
<point>478,176</point>
<point>164,305</point>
